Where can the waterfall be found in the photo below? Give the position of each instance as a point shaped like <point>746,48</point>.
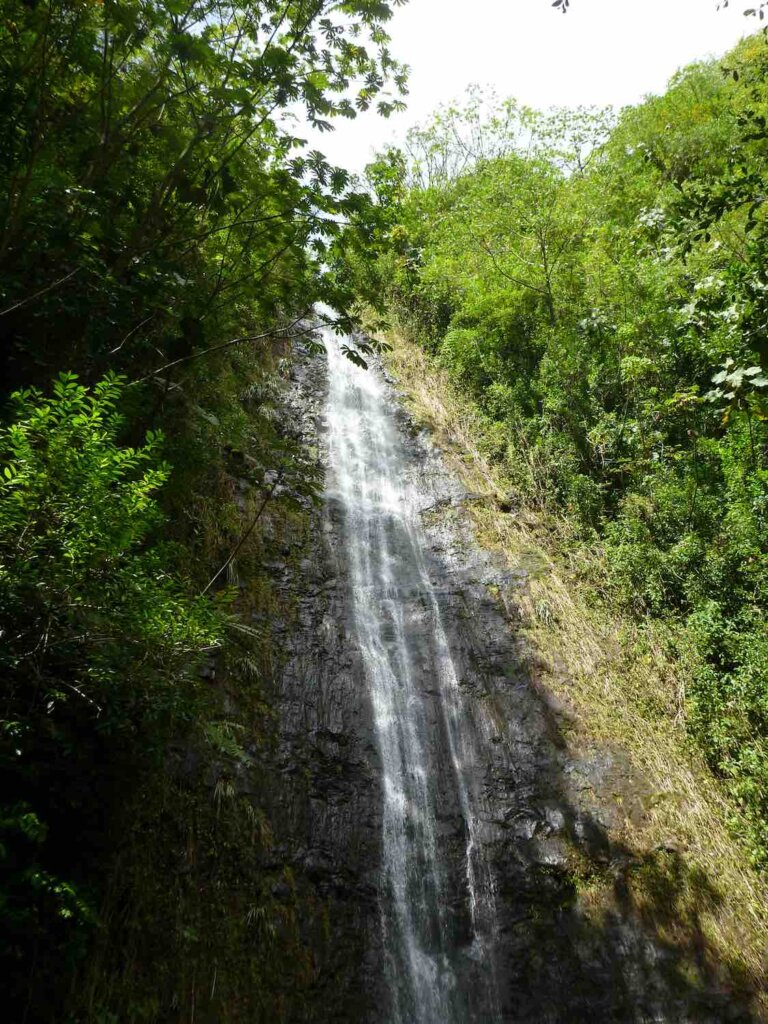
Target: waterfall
<point>437,894</point>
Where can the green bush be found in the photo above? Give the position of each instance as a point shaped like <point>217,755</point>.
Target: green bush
<point>101,645</point>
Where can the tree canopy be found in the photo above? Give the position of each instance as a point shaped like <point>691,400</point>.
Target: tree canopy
<point>598,286</point>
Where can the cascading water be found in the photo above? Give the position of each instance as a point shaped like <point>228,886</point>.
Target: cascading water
<point>437,896</point>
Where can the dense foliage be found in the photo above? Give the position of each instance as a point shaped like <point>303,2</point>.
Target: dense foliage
<point>600,290</point>
<point>100,646</point>
<point>162,230</point>
<point>155,196</point>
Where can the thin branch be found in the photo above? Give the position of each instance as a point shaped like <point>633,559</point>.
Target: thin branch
<point>244,537</point>
<point>228,344</point>
<point>42,291</point>
<point>509,277</point>
<point>131,333</point>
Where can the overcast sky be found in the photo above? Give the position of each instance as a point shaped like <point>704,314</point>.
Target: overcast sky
<point>605,52</point>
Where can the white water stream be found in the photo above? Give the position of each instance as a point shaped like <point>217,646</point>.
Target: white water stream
<point>438,971</point>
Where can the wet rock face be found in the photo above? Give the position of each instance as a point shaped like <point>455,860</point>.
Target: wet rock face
<point>322,789</point>
<point>534,805</point>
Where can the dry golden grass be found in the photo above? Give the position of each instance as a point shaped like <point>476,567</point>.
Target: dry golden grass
<point>623,690</point>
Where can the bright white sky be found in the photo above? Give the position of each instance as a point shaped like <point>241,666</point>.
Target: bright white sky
<point>604,52</point>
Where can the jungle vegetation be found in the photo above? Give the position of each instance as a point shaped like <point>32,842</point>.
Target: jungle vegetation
<point>597,284</point>
<point>162,225</point>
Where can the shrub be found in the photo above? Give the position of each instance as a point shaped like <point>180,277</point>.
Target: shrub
<point>101,645</point>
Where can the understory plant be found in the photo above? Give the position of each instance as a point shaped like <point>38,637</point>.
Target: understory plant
<point>101,648</point>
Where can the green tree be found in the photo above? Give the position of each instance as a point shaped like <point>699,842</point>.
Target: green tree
<point>601,295</point>
<point>155,196</point>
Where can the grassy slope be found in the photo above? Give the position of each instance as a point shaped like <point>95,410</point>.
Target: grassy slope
<point>694,883</point>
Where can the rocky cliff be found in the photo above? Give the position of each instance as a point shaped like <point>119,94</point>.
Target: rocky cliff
<point>546,815</point>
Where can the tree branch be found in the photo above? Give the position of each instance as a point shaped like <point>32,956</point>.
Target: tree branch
<point>42,291</point>
<point>227,344</point>
<point>244,537</point>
